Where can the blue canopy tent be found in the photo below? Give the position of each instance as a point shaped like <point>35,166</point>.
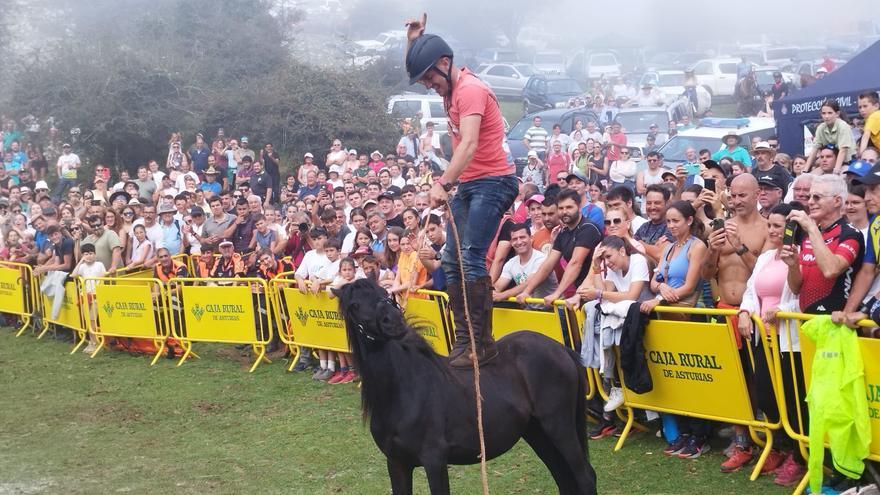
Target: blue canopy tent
<point>844,84</point>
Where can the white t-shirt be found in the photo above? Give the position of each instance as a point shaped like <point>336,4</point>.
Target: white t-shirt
<point>96,269</point>
<point>635,223</point>
<point>311,264</point>
<point>328,271</point>
<point>348,242</point>
<point>519,273</point>
<point>181,185</point>
<point>157,176</point>
<point>638,272</point>
<point>68,164</point>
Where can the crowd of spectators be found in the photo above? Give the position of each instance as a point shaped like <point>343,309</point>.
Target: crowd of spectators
<point>588,225</point>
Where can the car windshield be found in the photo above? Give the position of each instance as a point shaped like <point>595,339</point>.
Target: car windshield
<point>781,53</point>
<point>525,70</point>
<point>763,77</point>
<point>549,58</point>
<point>672,79</point>
<point>603,60</point>
<point>674,149</point>
<point>405,108</point>
<point>640,122</point>
<point>563,86</point>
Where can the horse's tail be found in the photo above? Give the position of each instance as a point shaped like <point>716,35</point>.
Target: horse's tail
<point>580,417</point>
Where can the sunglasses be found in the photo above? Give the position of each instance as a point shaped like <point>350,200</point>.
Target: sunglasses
<point>818,197</point>
<point>615,221</point>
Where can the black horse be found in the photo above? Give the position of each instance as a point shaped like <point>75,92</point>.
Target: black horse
<point>422,412</point>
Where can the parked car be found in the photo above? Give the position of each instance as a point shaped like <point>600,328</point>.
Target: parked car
<point>506,80</point>
<point>431,105</point>
<point>549,62</point>
<point>668,82</point>
<point>565,117</point>
<point>498,55</point>
<point>586,65</point>
<point>708,134</point>
<point>381,43</point>
<point>543,92</point>
<point>673,60</point>
<point>636,123</point>
<point>717,75</point>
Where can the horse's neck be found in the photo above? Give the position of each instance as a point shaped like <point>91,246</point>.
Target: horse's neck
<point>389,373</point>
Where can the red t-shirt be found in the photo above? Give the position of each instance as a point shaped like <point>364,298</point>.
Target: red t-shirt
<point>558,163</point>
<point>614,151</point>
<point>820,295</point>
<point>471,96</point>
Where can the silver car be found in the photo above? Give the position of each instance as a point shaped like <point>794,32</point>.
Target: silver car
<point>506,80</point>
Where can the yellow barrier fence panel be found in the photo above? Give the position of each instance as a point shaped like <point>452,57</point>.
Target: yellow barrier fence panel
<point>315,321</point>
<point>18,291</point>
<point>70,315</point>
<point>431,319</point>
<point>235,311</point>
<point>696,371</point>
<point>130,308</point>
<point>870,349</point>
<point>554,324</point>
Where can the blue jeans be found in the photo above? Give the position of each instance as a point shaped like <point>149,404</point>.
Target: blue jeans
<point>62,187</point>
<point>477,208</point>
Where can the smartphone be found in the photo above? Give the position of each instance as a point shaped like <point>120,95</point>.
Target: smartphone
<point>709,184</point>
<point>791,233</point>
<point>717,224</point>
<point>692,168</point>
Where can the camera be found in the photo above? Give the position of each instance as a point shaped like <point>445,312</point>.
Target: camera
<point>717,224</point>
<point>792,233</point>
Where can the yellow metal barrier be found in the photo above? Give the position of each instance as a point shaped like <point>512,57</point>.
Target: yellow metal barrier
<point>557,324</point>
<point>237,313</point>
<point>141,272</point>
<point>697,372</point>
<point>18,292</point>
<point>70,316</point>
<point>128,308</point>
<point>870,349</point>
<point>313,321</point>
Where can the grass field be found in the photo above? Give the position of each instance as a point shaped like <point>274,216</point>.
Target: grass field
<point>112,424</point>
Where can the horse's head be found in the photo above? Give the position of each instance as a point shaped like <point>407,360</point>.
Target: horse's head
<point>370,315</point>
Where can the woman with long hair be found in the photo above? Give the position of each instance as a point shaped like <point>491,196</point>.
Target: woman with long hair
<point>617,224</point>
<point>767,293</point>
<point>114,222</point>
<point>392,249</point>
<point>357,220</point>
<point>141,247</point>
<point>833,131</point>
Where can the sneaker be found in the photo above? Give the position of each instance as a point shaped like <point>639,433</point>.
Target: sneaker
<point>726,432</point>
<point>695,448</point>
<point>302,365</point>
<point>790,472</point>
<point>615,399</point>
<point>774,459</point>
<point>602,430</point>
<point>735,462</point>
<point>677,446</point>
<point>326,375</point>
<point>336,377</point>
<point>317,374</point>
<point>348,378</point>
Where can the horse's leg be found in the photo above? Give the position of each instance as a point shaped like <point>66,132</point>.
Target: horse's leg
<point>563,437</point>
<point>551,457</point>
<point>401,477</point>
<point>437,472</point>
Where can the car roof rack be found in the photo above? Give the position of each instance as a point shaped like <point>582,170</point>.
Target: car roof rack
<point>724,123</point>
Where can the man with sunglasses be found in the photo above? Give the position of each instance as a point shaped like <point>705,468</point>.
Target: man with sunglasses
<point>487,189</point>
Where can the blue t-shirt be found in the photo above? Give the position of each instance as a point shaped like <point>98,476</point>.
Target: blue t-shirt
<point>211,186</point>
<point>594,215</point>
<point>172,240</point>
<point>738,154</point>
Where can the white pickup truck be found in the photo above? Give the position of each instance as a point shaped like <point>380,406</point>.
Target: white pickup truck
<point>717,75</point>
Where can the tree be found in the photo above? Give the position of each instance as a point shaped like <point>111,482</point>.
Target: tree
<point>129,74</point>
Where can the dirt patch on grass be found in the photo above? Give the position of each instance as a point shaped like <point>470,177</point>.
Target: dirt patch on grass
<point>208,407</point>
<point>26,487</point>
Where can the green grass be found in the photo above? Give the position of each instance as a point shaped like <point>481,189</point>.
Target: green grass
<point>112,424</point>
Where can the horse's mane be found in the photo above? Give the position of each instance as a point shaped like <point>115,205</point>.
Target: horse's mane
<point>389,331</point>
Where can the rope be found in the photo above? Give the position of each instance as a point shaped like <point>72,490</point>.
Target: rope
<point>484,477</point>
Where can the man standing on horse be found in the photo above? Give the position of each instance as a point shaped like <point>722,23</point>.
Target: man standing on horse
<point>487,184</point>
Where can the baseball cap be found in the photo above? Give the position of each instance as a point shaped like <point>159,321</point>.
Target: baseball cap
<point>308,155</point>
<point>667,172</point>
<point>224,244</point>
<point>772,178</point>
<point>335,168</point>
<point>713,164</point>
<point>871,178</point>
<point>533,153</point>
<point>134,202</point>
<point>24,189</point>
<point>65,145</point>
<point>244,139</point>
<point>858,168</point>
<point>577,174</point>
<point>196,210</point>
<point>386,195</point>
<point>352,151</point>
<point>370,202</point>
<point>762,146</point>
<point>41,184</point>
<point>376,152</point>
<point>535,198</point>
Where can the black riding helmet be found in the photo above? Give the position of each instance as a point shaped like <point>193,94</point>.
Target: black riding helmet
<point>424,52</point>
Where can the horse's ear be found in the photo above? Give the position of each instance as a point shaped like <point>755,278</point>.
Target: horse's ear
<point>336,292</point>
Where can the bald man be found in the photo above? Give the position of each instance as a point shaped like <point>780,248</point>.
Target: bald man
<point>733,251</point>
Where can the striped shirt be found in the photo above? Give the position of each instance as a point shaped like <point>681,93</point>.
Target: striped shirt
<point>537,137</point>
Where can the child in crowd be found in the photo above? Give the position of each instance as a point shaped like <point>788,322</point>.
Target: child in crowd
<point>327,274</point>
<point>345,273</point>
<point>411,274</point>
<point>88,266</point>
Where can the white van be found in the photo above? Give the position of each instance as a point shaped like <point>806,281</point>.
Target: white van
<point>431,105</point>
